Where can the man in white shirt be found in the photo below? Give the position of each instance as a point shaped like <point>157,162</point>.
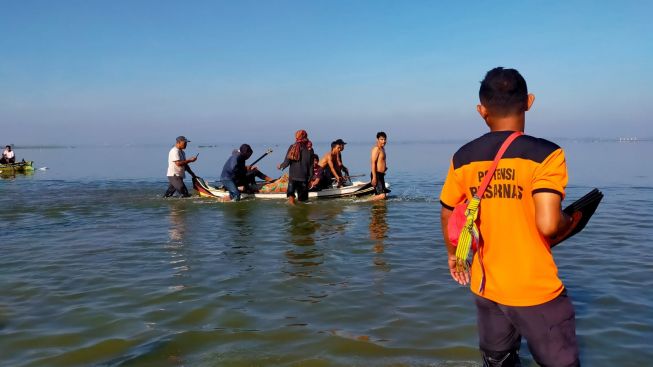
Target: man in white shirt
<point>8,155</point>
<point>177,167</point>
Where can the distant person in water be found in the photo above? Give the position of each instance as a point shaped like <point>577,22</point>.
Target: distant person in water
<point>235,173</point>
<point>379,167</point>
<point>177,168</point>
<point>299,158</point>
<point>8,155</point>
<point>331,169</point>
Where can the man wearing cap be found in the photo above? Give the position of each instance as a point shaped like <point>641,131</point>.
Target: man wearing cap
<point>177,167</point>
<point>345,170</point>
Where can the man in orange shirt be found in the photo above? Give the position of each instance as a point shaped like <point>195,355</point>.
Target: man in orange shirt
<point>513,274</point>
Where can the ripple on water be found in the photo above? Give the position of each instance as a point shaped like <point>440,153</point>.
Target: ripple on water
<point>114,275</point>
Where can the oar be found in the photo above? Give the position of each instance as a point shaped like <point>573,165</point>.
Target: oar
<point>261,157</point>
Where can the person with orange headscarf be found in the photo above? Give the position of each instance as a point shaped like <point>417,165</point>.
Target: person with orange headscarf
<point>299,159</point>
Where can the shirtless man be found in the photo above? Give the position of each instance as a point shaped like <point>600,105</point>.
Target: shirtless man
<point>331,167</point>
<point>343,169</point>
<point>379,167</point>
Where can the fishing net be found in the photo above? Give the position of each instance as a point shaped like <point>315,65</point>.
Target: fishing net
<point>280,185</point>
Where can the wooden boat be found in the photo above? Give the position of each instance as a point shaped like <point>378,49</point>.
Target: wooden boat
<point>18,167</point>
<point>357,188</point>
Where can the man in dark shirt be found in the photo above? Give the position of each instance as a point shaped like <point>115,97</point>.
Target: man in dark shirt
<point>299,158</point>
<point>235,173</point>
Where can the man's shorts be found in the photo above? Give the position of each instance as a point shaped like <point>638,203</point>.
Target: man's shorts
<point>549,329</point>
<point>379,188</point>
<point>299,187</point>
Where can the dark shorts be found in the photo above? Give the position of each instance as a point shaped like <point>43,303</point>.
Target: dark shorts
<point>298,187</point>
<point>549,329</point>
<point>379,188</point>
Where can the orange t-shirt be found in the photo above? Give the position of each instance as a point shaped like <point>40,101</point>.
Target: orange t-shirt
<point>517,259</point>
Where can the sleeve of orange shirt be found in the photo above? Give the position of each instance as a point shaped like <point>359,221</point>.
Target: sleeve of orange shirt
<point>551,174</point>
<point>452,194</point>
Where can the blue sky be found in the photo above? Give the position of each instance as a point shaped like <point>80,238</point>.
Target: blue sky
<point>139,71</point>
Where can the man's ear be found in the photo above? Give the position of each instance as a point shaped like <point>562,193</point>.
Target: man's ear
<point>529,102</point>
<point>482,111</point>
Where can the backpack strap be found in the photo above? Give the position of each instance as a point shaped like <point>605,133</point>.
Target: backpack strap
<point>497,158</point>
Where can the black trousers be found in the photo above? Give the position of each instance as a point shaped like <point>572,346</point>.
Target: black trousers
<point>549,329</point>
<point>299,187</point>
<point>249,179</point>
<point>176,184</point>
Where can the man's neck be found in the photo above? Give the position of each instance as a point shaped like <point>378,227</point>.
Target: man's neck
<point>508,123</point>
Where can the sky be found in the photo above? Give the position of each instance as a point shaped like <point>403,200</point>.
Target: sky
<point>143,72</point>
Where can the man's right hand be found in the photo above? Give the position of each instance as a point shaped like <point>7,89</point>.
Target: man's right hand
<point>192,159</point>
<point>458,273</point>
<point>374,181</point>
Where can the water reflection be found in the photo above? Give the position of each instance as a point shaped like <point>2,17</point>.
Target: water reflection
<point>177,241</point>
<point>378,225</point>
<point>304,257</point>
<point>329,215</point>
<point>240,225</point>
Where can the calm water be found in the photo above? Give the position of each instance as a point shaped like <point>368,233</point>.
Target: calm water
<point>97,269</point>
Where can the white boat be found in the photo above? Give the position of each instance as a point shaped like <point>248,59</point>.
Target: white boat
<point>357,188</point>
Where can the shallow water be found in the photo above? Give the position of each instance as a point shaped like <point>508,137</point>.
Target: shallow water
<point>98,269</point>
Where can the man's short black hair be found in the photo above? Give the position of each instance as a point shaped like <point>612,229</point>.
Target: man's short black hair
<point>334,144</point>
<point>504,92</point>
<point>381,134</point>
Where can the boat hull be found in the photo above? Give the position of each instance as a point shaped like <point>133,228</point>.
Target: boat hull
<point>20,167</point>
<point>357,188</point>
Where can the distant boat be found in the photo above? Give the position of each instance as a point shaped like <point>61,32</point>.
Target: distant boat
<point>19,167</point>
<point>628,140</point>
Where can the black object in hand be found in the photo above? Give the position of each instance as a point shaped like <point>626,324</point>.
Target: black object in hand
<point>587,206</point>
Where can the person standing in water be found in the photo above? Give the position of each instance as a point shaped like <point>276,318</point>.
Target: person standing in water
<point>299,158</point>
<point>177,168</point>
<point>378,163</point>
<point>513,275</point>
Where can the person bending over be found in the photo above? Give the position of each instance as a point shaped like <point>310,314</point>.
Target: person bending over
<point>236,173</point>
<point>332,172</point>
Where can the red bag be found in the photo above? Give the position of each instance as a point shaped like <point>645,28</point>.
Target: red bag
<point>462,227</point>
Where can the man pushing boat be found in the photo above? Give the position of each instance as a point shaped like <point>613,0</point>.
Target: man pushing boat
<point>177,168</point>
<point>235,173</point>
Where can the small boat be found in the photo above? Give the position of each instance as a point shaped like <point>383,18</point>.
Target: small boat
<point>357,188</point>
<point>19,167</point>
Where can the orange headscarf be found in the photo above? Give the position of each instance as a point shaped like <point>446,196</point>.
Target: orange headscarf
<point>301,137</point>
